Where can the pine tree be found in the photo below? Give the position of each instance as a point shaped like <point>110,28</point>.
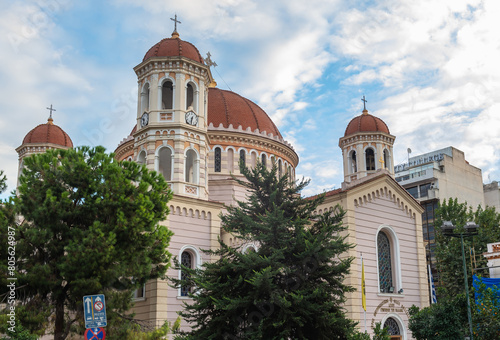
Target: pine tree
<point>90,224</point>
<point>290,287</point>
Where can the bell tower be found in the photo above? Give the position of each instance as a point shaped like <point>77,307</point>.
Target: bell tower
<point>367,146</point>
<point>171,135</point>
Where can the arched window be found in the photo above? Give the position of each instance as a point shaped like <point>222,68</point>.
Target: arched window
<point>386,159</point>
<point>370,159</point>
<point>191,169</point>
<point>280,170</point>
<point>230,160</point>
<point>189,95</point>
<point>263,157</point>
<point>167,95</point>
<point>217,159</point>
<point>253,160</point>
<point>353,164</point>
<point>145,98</point>
<point>243,160</point>
<point>392,326</point>
<point>141,159</point>
<point>165,163</point>
<point>385,272</point>
<point>186,261</point>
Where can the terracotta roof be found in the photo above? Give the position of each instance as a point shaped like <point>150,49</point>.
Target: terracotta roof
<point>366,123</point>
<point>226,107</point>
<point>48,133</point>
<point>174,47</point>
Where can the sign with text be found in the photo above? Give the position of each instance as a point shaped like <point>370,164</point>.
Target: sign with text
<point>94,311</point>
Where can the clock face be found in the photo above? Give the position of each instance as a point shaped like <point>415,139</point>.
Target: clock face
<point>191,118</point>
<point>144,119</point>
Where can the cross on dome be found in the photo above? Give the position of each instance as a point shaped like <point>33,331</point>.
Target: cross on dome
<point>174,19</point>
<point>364,103</point>
<point>50,120</point>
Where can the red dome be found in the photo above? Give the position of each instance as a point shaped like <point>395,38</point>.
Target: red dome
<point>226,107</point>
<point>48,133</point>
<point>174,47</point>
<point>366,123</point>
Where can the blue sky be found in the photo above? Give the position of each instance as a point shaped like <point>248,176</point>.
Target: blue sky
<point>429,69</point>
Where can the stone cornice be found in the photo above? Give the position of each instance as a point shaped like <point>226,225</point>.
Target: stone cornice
<point>172,64</point>
<point>366,137</point>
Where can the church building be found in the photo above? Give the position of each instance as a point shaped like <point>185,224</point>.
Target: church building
<point>194,134</point>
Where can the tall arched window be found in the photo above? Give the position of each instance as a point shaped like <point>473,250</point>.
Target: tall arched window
<point>165,163</point>
<point>392,326</point>
<point>191,169</point>
<point>167,95</point>
<point>243,160</point>
<point>141,159</point>
<point>145,98</point>
<point>386,159</point>
<point>280,168</point>
<point>230,160</point>
<point>189,95</point>
<point>253,159</point>
<point>353,163</point>
<point>186,261</point>
<point>263,160</point>
<point>370,159</point>
<point>217,159</point>
<point>385,273</point>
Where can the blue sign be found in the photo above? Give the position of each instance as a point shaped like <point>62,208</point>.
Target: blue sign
<point>94,311</point>
<point>95,334</point>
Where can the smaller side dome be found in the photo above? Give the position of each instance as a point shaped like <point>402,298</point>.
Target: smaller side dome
<point>174,47</point>
<point>366,123</point>
<point>48,133</point>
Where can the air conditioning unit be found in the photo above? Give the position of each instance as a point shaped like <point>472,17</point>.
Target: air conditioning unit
<point>433,186</point>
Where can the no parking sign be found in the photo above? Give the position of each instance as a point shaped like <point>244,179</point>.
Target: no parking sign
<point>95,334</point>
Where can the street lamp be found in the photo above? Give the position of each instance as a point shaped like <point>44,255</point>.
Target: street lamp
<point>470,230</point>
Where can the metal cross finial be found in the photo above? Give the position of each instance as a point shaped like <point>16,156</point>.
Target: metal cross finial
<point>209,61</point>
<point>364,102</point>
<point>50,109</point>
<point>175,22</point>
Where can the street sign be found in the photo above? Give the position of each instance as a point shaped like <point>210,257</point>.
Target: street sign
<point>95,334</point>
<point>94,311</point>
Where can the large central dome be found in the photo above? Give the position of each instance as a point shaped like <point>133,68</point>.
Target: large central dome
<point>228,108</point>
<point>174,47</point>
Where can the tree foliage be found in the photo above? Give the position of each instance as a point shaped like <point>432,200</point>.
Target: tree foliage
<point>89,224</point>
<point>449,251</point>
<point>441,321</point>
<point>291,286</point>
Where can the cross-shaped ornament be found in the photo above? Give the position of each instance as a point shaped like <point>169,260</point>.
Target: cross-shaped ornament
<point>50,109</point>
<point>209,61</point>
<point>175,22</point>
<point>364,102</point>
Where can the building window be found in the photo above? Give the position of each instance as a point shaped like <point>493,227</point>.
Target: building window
<point>218,159</point>
<point>243,158</point>
<point>392,326</point>
<point>386,159</point>
<point>253,159</point>
<point>280,168</point>
<point>370,159</point>
<point>424,190</point>
<point>353,164</point>
<point>145,98</point>
<point>413,191</point>
<point>167,95</point>
<point>191,169</point>
<point>140,293</point>
<point>189,95</point>
<point>141,159</point>
<point>165,163</point>
<point>186,261</point>
<point>384,263</point>
<point>263,159</point>
<point>230,160</point>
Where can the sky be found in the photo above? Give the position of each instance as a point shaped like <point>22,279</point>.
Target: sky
<point>429,69</point>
